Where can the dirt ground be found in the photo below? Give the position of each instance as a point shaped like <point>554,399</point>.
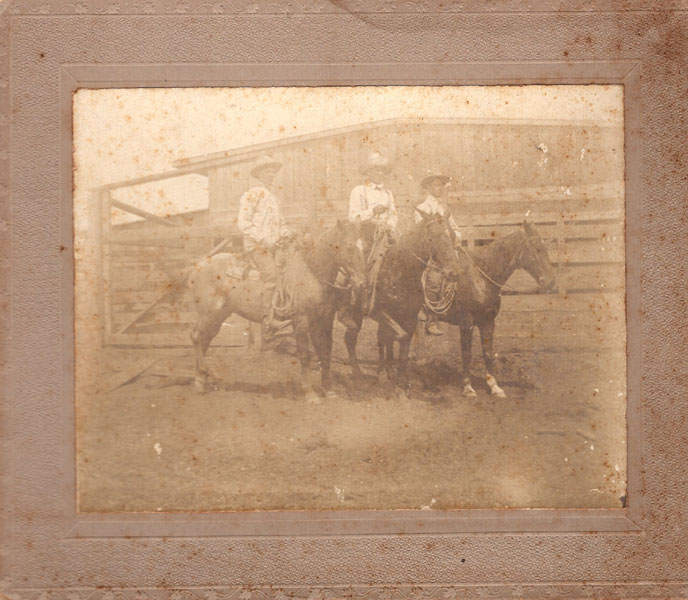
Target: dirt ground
<point>256,443</point>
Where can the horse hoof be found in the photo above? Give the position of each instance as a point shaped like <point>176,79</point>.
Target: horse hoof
<point>313,398</point>
<point>200,385</point>
<point>331,395</point>
<point>469,392</point>
<point>384,377</point>
<point>499,393</point>
<point>403,395</point>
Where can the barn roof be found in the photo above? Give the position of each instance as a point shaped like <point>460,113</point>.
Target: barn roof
<point>202,163</point>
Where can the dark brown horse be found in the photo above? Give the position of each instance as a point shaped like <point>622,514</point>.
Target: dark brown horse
<point>399,295</point>
<point>311,271</point>
<point>477,300</point>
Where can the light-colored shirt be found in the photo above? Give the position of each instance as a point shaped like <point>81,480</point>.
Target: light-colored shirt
<point>432,206</point>
<point>260,217</point>
<point>364,198</point>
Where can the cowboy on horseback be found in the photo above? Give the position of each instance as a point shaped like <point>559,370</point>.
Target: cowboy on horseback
<point>435,185</point>
<point>260,220</point>
<point>372,202</point>
<point>371,205</point>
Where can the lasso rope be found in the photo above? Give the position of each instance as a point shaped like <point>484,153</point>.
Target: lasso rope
<point>446,296</point>
<point>284,298</point>
<point>375,256</point>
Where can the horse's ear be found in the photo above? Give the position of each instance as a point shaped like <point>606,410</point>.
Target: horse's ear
<point>528,227</point>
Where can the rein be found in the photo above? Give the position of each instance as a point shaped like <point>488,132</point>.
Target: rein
<point>448,291</point>
<point>486,276</point>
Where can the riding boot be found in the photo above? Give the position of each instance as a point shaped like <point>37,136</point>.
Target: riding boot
<point>270,325</point>
<point>431,327</point>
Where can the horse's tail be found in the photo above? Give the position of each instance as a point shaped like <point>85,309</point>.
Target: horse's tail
<point>177,280</point>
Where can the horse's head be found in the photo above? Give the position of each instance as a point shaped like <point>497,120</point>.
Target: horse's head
<point>437,243</point>
<point>535,260</point>
<point>349,252</point>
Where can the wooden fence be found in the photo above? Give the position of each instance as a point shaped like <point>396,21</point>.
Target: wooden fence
<point>139,260</point>
<point>587,249</point>
<point>582,220</point>
<point>138,263</point>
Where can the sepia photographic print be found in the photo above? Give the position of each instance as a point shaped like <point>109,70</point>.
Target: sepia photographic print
<point>359,298</point>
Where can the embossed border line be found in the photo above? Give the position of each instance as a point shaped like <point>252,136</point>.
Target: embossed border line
<point>571,591</point>
<point>314,523</point>
<point>354,7</point>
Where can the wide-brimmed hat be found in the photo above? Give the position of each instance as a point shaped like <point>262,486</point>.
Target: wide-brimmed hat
<point>265,161</point>
<point>375,160</point>
<point>434,174</point>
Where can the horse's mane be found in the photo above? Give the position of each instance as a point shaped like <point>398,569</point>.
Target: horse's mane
<point>498,253</point>
<point>318,251</point>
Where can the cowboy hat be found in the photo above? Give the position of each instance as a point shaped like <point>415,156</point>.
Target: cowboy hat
<point>265,161</point>
<point>375,160</point>
<point>434,174</point>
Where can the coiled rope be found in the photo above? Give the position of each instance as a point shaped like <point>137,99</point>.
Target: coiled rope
<point>284,298</point>
<point>446,296</point>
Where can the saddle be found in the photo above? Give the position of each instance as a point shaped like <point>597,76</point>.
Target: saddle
<point>242,268</point>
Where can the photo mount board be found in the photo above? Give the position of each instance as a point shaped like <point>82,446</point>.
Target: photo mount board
<point>52,52</point>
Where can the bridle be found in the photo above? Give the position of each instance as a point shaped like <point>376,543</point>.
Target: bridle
<point>431,259</point>
<point>345,270</point>
<point>517,260</point>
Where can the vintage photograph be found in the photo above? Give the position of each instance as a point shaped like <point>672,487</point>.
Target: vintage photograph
<point>361,298</point>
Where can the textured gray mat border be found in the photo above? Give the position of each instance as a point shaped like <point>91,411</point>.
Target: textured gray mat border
<point>250,582</point>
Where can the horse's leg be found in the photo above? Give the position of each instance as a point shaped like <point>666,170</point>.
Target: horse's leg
<point>351,340</point>
<point>383,351</point>
<point>466,357</point>
<point>402,370</point>
<point>487,328</point>
<point>385,346</point>
<point>301,334</point>
<point>320,325</point>
<point>205,329</point>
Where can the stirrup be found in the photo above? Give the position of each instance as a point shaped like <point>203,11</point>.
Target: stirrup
<point>431,328</point>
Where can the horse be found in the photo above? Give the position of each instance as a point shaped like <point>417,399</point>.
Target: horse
<point>476,301</point>
<point>399,293</point>
<point>311,271</point>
